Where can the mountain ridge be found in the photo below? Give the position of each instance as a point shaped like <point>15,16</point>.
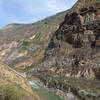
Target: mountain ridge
<point>26,41</point>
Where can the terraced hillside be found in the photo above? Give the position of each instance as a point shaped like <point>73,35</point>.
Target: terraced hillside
<point>23,46</point>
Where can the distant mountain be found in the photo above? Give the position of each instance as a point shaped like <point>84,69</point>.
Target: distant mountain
<point>18,32</point>
<point>13,86</point>
<point>23,45</point>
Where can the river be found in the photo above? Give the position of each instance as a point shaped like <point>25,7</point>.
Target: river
<point>43,92</point>
<point>40,90</point>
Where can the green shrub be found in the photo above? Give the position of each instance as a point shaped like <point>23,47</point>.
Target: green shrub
<point>91,0</point>
<point>26,43</point>
<point>9,92</point>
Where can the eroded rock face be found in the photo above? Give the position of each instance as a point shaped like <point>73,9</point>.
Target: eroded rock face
<point>80,29</point>
<point>78,39</point>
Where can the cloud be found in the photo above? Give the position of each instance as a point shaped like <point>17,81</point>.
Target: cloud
<point>30,10</point>
<point>43,5</point>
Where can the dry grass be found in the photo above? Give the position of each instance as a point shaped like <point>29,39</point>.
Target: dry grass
<point>12,82</point>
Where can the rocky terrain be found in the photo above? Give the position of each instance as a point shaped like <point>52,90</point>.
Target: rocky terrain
<point>67,61</point>
<point>23,46</point>
<point>72,58</point>
<point>78,40</point>
<point>13,86</point>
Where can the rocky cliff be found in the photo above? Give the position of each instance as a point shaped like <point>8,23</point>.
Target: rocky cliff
<point>78,39</point>
<point>72,58</point>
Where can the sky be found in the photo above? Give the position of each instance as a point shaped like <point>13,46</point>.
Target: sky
<point>30,11</point>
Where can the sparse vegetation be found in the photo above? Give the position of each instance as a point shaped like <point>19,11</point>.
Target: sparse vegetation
<point>13,86</point>
<point>33,65</point>
<point>33,37</point>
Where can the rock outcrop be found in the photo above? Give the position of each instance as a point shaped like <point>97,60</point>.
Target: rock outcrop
<point>78,41</point>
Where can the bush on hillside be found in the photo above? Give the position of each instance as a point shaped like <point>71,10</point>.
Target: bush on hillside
<point>9,92</point>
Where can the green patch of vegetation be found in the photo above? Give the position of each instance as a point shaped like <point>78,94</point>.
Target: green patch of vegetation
<point>26,43</point>
<point>10,92</point>
<point>91,96</point>
<point>92,0</point>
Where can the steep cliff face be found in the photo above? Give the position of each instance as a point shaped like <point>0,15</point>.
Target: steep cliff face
<point>78,39</point>
<point>72,58</point>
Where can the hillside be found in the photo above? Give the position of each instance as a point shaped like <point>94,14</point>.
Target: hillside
<point>19,32</point>
<point>63,51</point>
<point>13,86</point>
<point>23,45</point>
<point>72,58</point>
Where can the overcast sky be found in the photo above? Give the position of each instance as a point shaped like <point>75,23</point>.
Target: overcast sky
<point>29,11</point>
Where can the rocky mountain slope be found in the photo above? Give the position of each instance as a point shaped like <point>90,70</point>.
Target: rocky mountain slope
<point>13,86</point>
<point>23,46</point>
<point>72,58</point>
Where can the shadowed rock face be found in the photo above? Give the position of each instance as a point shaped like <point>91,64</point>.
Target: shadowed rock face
<point>80,30</point>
